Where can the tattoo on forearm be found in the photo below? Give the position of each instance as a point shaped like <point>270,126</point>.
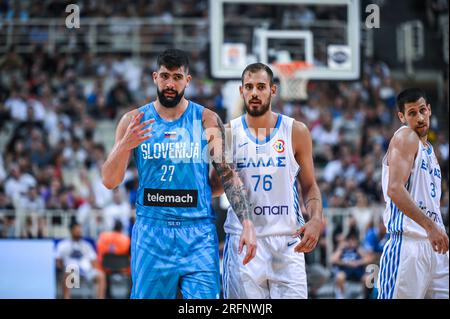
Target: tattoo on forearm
<point>232,185</point>
<point>311,199</point>
<point>234,190</point>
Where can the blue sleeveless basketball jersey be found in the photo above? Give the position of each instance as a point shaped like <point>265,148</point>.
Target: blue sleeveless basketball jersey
<point>173,168</point>
<point>174,244</point>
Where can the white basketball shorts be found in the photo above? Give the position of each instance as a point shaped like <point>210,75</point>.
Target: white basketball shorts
<point>410,269</point>
<point>276,272</point>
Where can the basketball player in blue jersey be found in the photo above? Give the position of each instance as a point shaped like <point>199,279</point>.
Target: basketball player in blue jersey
<point>174,239</point>
<point>414,262</point>
<point>271,153</point>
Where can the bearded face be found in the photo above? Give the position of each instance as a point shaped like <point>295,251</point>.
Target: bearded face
<point>169,97</point>
<point>170,85</point>
<point>257,92</point>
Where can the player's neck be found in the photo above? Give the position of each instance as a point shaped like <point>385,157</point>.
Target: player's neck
<point>171,113</point>
<point>424,140</point>
<point>265,123</point>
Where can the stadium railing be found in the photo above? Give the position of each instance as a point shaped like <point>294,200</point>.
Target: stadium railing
<point>55,223</point>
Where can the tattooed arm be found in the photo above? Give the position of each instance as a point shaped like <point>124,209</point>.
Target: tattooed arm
<point>232,185</point>
<point>214,179</point>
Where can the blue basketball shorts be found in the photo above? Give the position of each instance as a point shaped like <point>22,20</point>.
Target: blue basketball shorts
<point>171,255</point>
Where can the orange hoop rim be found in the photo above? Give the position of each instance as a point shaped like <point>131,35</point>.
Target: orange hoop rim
<point>288,69</point>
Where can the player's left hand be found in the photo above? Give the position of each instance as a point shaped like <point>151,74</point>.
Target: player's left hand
<point>311,234</point>
<point>248,238</point>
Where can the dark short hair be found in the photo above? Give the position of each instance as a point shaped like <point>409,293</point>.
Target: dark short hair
<point>351,235</point>
<point>118,226</point>
<point>73,224</point>
<point>410,95</point>
<point>256,67</point>
<point>173,58</point>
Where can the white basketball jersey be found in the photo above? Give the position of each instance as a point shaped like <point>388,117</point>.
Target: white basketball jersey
<point>424,185</point>
<point>268,170</point>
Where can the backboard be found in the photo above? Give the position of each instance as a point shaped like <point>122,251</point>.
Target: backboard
<point>324,33</point>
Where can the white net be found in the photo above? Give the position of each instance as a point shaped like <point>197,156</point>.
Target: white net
<point>293,88</point>
<point>292,85</point>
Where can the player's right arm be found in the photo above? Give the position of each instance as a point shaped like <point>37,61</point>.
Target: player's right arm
<point>401,156</point>
<point>129,134</point>
<point>231,182</point>
<point>214,179</point>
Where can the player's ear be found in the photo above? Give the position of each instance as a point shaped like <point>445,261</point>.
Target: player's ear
<point>273,89</point>
<point>241,90</point>
<point>188,79</point>
<point>401,116</point>
<point>429,107</point>
<point>155,76</point>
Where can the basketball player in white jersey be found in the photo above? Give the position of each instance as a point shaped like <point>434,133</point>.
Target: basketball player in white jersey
<point>271,152</point>
<point>414,262</point>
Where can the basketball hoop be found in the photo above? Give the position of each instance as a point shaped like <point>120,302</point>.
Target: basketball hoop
<point>292,86</point>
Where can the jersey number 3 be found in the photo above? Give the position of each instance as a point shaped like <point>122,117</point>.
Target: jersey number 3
<point>433,190</point>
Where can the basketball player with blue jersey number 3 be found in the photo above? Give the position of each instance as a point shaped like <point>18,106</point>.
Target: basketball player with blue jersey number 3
<point>271,152</point>
<point>174,241</point>
<point>414,262</point>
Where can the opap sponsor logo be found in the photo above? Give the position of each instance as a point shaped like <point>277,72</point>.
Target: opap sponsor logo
<point>271,210</point>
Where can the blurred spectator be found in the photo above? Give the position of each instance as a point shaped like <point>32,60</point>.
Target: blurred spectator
<point>374,241</point>
<point>324,132</point>
<point>2,169</point>
<point>86,216</point>
<point>361,209</point>
<point>118,210</point>
<point>119,97</point>
<point>32,205</point>
<point>33,202</point>
<point>11,61</point>
<point>96,101</point>
<point>40,154</point>
<point>51,194</point>
<point>16,104</point>
<point>348,227</point>
<point>349,261</point>
<point>131,182</point>
<point>77,252</point>
<point>74,154</point>
<point>18,183</point>
<point>6,218</point>
<point>113,242</point>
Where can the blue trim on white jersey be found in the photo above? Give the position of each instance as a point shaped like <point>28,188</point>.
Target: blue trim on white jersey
<point>268,138</point>
<point>430,148</point>
<point>395,224</point>
<point>225,266</point>
<point>389,265</point>
<point>298,213</point>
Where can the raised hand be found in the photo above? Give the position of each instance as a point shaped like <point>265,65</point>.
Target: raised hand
<point>136,132</point>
